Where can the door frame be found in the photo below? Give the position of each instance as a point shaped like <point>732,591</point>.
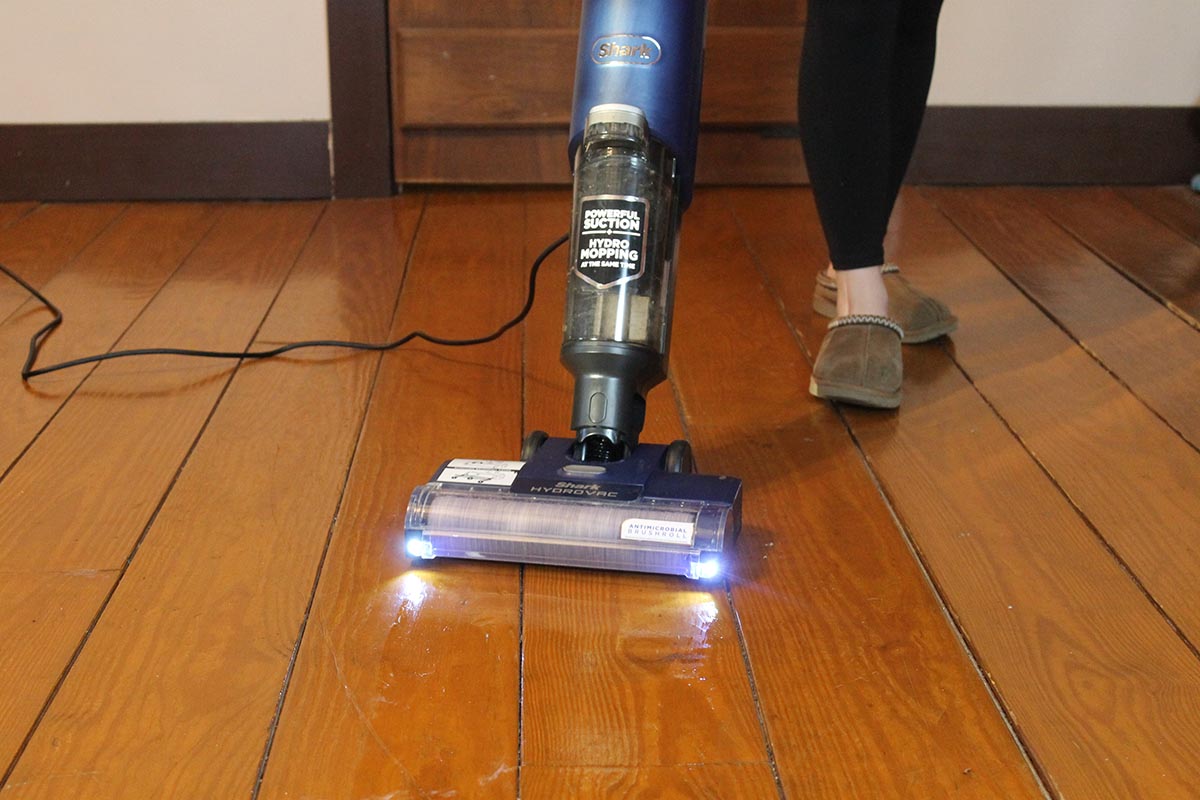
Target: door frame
<point>360,98</point>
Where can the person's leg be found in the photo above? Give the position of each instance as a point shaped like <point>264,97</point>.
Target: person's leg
<point>923,318</point>
<point>911,73</point>
<point>845,127</point>
<point>847,210</point>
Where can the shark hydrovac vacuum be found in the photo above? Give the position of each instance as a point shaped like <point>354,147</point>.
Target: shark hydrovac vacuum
<point>603,499</point>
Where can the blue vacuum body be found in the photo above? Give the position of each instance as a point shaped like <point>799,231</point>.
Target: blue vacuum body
<point>602,498</point>
<point>648,54</point>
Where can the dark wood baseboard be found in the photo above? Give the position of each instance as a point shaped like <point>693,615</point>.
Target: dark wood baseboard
<point>963,145</point>
<point>168,161</point>
<point>1057,145</point>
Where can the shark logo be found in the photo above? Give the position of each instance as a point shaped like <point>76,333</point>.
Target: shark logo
<point>626,48</point>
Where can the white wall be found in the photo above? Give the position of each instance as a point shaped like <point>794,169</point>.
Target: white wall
<point>1068,52</point>
<point>248,60</point>
<point>163,60</point>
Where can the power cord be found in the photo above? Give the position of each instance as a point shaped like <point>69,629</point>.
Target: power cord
<point>35,342</point>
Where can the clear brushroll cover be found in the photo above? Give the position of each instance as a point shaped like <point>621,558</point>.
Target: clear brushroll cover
<point>671,537</point>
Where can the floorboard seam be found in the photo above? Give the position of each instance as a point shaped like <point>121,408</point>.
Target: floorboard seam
<point>285,685</point>
<point>1045,470</point>
<point>1029,450</point>
<point>1170,223</point>
<point>116,341</point>
<point>22,216</point>
<point>1061,326</point>
<point>133,551</point>
<point>1124,273</point>
<point>520,675</point>
<point>952,622</point>
<point>759,714</point>
<point>70,573</point>
<point>103,230</point>
<point>4,473</point>
<point>273,726</point>
<point>521,567</point>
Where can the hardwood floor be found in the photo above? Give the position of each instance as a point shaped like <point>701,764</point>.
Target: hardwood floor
<point>987,594</point>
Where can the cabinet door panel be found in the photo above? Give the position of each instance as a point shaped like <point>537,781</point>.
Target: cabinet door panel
<point>471,81</point>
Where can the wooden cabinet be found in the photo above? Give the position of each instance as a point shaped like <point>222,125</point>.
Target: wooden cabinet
<point>467,109</point>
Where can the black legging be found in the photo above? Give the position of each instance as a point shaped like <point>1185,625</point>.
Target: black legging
<point>864,81</point>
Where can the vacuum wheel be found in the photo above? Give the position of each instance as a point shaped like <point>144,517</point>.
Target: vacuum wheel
<point>678,457</point>
<point>532,442</point>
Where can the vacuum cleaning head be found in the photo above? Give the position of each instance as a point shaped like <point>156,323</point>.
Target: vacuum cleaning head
<point>632,515</point>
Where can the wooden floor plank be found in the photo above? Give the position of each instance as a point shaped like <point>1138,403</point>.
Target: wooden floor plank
<point>1100,687</point>
<point>865,688</point>
<point>88,518</point>
<point>634,685</point>
<point>197,638</point>
<point>78,526</point>
<point>41,618</point>
<point>100,293</point>
<point>1177,206</point>
<point>1148,252</point>
<point>11,212</point>
<point>39,244</point>
<point>681,782</point>
<point>1154,352</point>
<point>1134,479</point>
<point>406,683</point>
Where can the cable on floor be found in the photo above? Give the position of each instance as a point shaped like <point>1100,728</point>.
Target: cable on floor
<point>29,370</point>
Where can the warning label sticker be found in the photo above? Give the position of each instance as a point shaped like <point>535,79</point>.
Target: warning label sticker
<point>657,530</point>
<point>612,233</point>
<point>480,472</point>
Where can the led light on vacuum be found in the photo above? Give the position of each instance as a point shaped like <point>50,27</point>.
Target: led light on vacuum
<point>706,570</point>
<point>418,548</point>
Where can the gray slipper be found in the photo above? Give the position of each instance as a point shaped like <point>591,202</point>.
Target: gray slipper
<point>923,318</point>
<point>859,362</point>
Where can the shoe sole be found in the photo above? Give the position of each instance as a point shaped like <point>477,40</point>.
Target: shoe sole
<point>853,394</point>
<point>828,309</point>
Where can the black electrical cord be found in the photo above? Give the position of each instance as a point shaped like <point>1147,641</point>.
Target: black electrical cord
<point>35,342</point>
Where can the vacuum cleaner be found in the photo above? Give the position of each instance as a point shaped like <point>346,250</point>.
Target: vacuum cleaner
<point>602,498</point>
